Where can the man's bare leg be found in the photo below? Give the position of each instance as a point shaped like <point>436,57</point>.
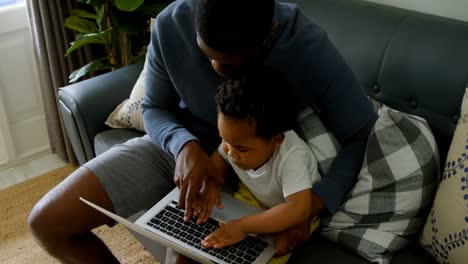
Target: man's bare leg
<point>61,223</point>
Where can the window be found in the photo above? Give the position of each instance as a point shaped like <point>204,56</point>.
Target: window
<point>10,2</point>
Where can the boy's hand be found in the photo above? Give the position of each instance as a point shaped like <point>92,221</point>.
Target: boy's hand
<point>208,197</point>
<point>227,234</point>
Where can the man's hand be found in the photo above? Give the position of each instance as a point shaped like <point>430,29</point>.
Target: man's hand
<point>227,234</point>
<point>192,166</point>
<point>209,196</point>
<point>289,240</point>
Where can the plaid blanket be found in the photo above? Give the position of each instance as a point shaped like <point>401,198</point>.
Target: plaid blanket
<point>394,188</point>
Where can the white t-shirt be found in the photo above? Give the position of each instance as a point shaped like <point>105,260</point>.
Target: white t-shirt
<point>292,168</point>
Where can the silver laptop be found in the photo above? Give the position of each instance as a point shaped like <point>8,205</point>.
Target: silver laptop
<point>164,224</point>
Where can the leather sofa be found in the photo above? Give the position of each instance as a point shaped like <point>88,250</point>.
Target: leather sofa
<point>414,62</point>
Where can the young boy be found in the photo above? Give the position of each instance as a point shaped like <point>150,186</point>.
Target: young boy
<point>255,122</point>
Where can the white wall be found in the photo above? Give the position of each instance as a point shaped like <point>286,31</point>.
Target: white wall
<point>457,9</point>
<point>23,133</point>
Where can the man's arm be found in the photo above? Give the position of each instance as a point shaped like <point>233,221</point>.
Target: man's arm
<point>160,103</point>
<point>323,79</point>
<point>329,193</point>
<point>348,114</point>
<point>160,114</point>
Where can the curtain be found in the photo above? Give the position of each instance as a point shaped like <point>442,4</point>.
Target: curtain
<point>51,40</point>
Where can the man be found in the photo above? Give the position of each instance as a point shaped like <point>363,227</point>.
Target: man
<point>194,44</point>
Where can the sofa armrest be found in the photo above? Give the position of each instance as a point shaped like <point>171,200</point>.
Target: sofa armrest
<point>86,105</point>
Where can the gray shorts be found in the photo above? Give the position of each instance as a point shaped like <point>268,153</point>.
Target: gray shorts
<point>135,174</point>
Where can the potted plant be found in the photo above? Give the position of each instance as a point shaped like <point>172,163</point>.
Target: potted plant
<point>119,27</point>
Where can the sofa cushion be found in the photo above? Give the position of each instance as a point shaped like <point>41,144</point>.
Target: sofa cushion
<point>445,234</point>
<point>322,142</point>
<point>394,188</point>
<point>105,140</point>
<point>319,250</point>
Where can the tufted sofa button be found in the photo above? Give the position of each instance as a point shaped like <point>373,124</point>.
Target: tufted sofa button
<point>455,119</point>
<point>376,88</point>
<point>413,104</point>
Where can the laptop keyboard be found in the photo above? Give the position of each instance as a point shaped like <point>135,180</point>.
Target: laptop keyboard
<point>170,220</point>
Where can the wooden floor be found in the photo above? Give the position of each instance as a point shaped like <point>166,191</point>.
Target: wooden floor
<point>29,170</point>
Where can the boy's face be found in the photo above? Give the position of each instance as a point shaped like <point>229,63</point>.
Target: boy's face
<point>241,143</point>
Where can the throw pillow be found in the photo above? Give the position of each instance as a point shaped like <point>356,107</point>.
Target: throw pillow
<point>128,114</point>
<point>323,143</point>
<point>394,188</point>
<point>445,235</point>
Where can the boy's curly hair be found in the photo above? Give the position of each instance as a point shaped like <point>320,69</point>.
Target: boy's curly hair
<point>262,94</point>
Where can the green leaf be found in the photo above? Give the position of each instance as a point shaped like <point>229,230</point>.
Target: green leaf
<point>128,5</point>
<point>88,68</point>
<point>83,13</point>
<point>80,24</point>
<point>79,36</point>
<point>92,38</point>
<point>100,11</point>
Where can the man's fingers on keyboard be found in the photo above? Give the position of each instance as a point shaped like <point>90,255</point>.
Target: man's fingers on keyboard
<point>183,191</point>
<point>202,216</point>
<point>189,200</point>
<point>196,209</point>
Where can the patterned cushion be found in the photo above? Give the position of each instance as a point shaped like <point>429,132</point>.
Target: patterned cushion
<point>128,114</point>
<point>323,143</point>
<point>445,235</point>
<point>394,187</point>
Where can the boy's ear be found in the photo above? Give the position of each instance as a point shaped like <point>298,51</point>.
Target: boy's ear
<point>278,139</point>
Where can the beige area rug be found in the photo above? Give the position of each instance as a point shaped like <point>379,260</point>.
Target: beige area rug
<point>18,246</point>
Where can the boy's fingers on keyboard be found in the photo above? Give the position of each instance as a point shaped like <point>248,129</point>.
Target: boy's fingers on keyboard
<point>207,243</point>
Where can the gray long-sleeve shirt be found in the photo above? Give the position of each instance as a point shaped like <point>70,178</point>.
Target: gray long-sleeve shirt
<point>179,103</point>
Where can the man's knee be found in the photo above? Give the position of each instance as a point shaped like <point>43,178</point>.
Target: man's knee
<point>42,228</point>
<point>60,216</point>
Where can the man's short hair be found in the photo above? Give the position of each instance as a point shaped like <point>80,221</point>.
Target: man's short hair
<point>261,94</point>
<point>234,25</point>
